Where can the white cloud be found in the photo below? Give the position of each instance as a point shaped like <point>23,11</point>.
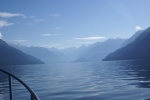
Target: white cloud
<point>50,35</point>
<point>55,15</point>
<point>1,36</point>
<point>38,20</point>
<point>4,23</point>
<point>46,34</point>
<point>137,28</point>
<point>31,16</point>
<point>57,28</point>
<point>19,41</point>
<point>91,38</point>
<point>32,20</point>
<point>9,15</point>
<point>56,34</point>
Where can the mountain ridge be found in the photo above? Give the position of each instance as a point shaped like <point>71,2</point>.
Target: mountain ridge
<point>98,50</point>
<point>138,49</point>
<point>44,54</point>
<point>12,56</point>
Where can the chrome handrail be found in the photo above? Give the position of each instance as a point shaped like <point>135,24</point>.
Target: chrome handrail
<point>32,93</point>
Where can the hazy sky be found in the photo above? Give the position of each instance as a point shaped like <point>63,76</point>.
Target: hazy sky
<point>65,23</point>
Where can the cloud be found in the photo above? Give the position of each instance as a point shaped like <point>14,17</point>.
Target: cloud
<point>57,28</point>
<point>46,34</point>
<point>90,38</point>
<point>137,28</point>
<point>32,20</point>
<point>19,41</point>
<point>9,15</point>
<point>56,34</point>
<point>38,20</point>
<point>1,36</point>
<point>50,35</point>
<point>55,15</point>
<point>4,23</point>
<point>31,16</point>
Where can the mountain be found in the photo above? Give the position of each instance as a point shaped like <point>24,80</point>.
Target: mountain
<point>72,53</point>
<point>99,50</point>
<point>12,56</point>
<point>138,49</point>
<point>132,38</point>
<point>57,52</point>
<point>42,53</point>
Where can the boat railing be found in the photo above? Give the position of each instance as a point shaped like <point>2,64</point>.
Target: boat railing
<point>10,77</point>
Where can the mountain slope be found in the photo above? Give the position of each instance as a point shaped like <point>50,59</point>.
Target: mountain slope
<point>43,53</point>
<point>132,38</point>
<point>99,50</point>
<point>138,49</point>
<point>13,56</point>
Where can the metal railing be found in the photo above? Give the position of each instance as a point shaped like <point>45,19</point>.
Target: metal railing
<point>10,76</point>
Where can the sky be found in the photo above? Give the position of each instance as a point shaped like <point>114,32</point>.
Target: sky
<point>70,23</point>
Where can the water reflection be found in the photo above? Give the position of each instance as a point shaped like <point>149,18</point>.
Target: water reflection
<point>3,86</point>
<point>140,70</point>
<point>116,80</point>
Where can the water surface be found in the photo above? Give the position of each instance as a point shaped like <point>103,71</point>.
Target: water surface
<point>114,80</point>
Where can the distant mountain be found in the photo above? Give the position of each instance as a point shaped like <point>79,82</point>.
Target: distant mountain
<point>57,52</point>
<point>99,50</point>
<point>72,53</point>
<point>12,56</point>
<point>132,38</point>
<point>138,49</point>
<point>42,53</point>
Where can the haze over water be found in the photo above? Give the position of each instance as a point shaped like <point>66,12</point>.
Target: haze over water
<point>115,80</point>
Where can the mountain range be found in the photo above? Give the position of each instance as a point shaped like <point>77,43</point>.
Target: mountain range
<point>137,49</point>
<point>46,55</point>
<point>98,50</point>
<point>12,56</point>
<point>73,53</point>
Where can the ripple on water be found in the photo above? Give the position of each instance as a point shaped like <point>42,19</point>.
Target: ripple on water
<point>118,80</point>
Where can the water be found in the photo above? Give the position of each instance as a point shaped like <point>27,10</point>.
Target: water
<point>115,80</point>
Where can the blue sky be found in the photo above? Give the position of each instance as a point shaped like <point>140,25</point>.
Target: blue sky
<point>67,23</point>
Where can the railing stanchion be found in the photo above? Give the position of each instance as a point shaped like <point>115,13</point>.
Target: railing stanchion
<point>32,98</point>
<point>10,88</point>
<point>10,76</point>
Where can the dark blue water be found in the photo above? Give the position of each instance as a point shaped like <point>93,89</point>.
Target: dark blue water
<point>116,80</point>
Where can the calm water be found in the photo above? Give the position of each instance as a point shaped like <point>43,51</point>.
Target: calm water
<point>116,80</point>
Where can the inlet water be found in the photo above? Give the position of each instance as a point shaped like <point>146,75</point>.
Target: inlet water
<point>114,80</point>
